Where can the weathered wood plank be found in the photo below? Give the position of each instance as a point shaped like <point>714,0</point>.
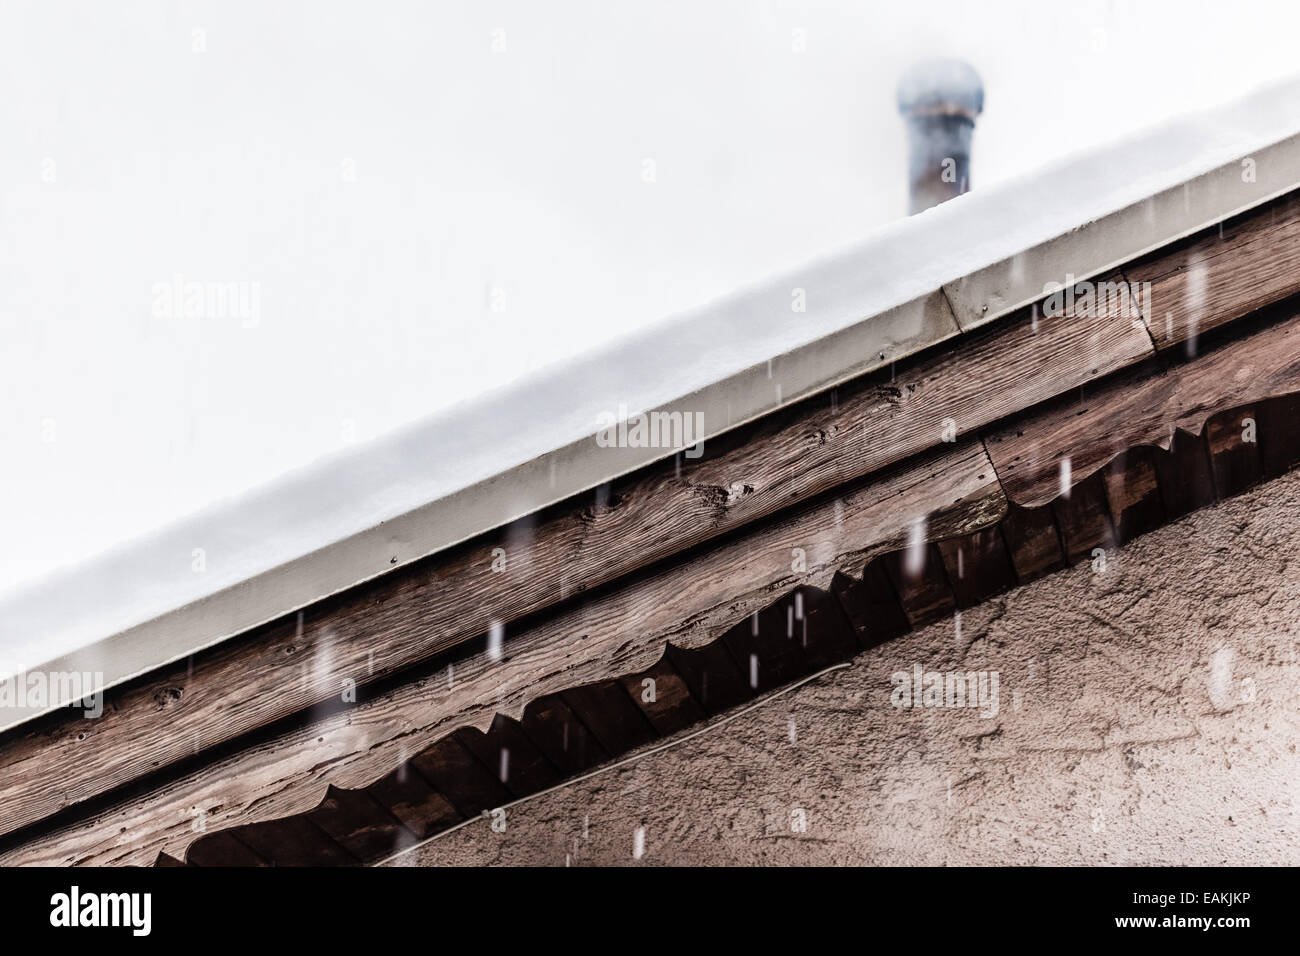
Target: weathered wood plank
<point>409,798</point>
<point>1083,515</point>
<point>506,749</point>
<point>398,620</point>
<point>1279,435</point>
<point>954,490</point>
<point>666,701</point>
<point>768,652</point>
<point>455,773</point>
<point>871,604</point>
<point>921,582</point>
<point>558,733</point>
<point>1133,493</point>
<point>355,821</point>
<point>1033,540</point>
<point>610,715</point>
<point>1223,274</point>
<point>1186,479</point>
<point>711,674</point>
<point>822,627</point>
<point>978,566</point>
<point>222,849</point>
<point>1088,431</point>
<point>1232,437</point>
<point>293,841</point>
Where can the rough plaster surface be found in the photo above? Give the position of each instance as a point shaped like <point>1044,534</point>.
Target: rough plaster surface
<point>1148,713</point>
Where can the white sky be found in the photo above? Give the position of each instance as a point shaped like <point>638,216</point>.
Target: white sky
<point>132,158</point>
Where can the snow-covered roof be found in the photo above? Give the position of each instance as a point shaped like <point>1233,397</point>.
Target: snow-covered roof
<point>509,453</point>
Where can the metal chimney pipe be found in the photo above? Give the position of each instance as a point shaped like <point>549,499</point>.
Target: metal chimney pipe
<point>939,100</point>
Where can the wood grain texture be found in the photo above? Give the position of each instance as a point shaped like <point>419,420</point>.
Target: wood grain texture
<point>411,800</point>
<point>610,714</point>
<point>1133,493</point>
<point>1279,435</point>
<point>222,849</point>
<point>1033,541</point>
<point>293,841</point>
<point>666,701</point>
<point>558,733</point>
<point>358,823</point>
<point>806,628</point>
<point>1222,274</point>
<point>1232,438</point>
<point>978,566</point>
<point>506,748</point>
<point>458,775</point>
<point>871,605</point>
<point>689,604</point>
<point>821,627</point>
<point>712,675</point>
<point>1083,515</point>
<point>291,665</point>
<point>1185,477</point>
<point>1132,410</point>
<point>921,582</point>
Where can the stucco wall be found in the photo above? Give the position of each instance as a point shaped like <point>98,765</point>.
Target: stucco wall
<point>1147,713</point>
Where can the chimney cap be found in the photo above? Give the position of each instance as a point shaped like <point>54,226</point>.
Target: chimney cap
<point>941,87</point>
